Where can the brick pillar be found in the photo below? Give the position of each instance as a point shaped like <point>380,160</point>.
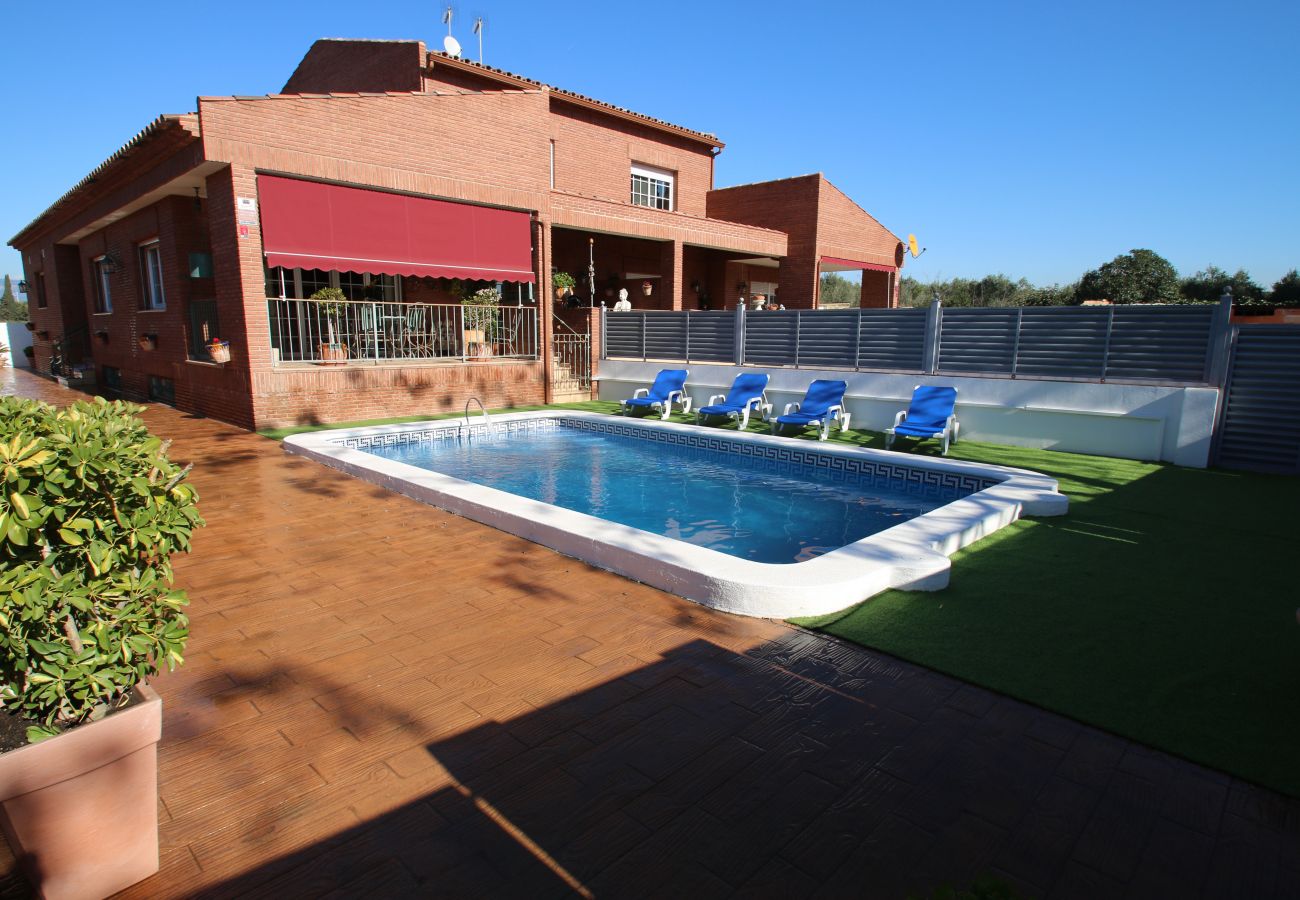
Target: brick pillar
<point>239,284</point>
<point>875,289</point>
<point>670,270</point>
<point>545,303</point>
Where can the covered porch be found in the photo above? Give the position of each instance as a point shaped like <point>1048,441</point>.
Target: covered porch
<point>360,276</point>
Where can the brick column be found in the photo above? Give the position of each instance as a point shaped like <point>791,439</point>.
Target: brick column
<point>875,289</point>
<point>595,328</point>
<point>670,270</point>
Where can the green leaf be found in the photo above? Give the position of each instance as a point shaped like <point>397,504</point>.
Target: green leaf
<point>38,733</point>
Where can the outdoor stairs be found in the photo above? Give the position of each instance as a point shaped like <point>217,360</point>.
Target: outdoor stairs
<point>567,386</point>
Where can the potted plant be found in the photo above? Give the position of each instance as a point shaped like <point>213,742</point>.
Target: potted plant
<point>331,302</point>
<point>101,337</point>
<point>29,351</point>
<point>481,325</point>
<point>219,350</point>
<point>148,341</point>
<point>647,287</point>
<point>563,282</point>
<point>93,510</point>
<point>31,326</point>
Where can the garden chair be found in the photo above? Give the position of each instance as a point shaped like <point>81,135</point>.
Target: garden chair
<point>822,404</point>
<point>669,387</point>
<point>747,395</point>
<point>931,414</point>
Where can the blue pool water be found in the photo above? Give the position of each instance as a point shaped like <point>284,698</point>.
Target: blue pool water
<point>752,508</point>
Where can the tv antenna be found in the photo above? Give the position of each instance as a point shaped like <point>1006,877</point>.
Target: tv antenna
<point>478,29</point>
<point>446,19</point>
<point>911,246</point>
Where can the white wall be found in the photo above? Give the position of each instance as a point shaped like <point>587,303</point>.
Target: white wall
<point>1134,421</point>
<point>15,336</point>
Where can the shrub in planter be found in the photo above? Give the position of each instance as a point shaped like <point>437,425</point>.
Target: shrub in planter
<point>91,510</point>
<point>331,302</point>
<point>482,323</point>
<point>563,283</point>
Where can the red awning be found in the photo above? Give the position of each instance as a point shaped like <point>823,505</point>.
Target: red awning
<point>856,264</point>
<point>328,226</point>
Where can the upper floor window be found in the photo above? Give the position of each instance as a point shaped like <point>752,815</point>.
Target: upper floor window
<point>652,187</point>
<point>99,272</point>
<point>42,299</point>
<point>151,280</point>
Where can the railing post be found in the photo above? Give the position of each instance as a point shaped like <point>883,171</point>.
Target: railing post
<point>643,326</point>
<point>464,349</point>
<point>933,325</point>
<point>739,325</point>
<point>857,344</point>
<point>374,311</point>
<point>798,333</point>
<point>1216,356</point>
<point>604,334</point>
<point>1015,346</point>
<point>687,313</point>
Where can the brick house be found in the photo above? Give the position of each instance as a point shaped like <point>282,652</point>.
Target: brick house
<point>408,180</point>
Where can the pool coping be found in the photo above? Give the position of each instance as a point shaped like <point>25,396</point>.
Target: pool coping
<point>912,555</point>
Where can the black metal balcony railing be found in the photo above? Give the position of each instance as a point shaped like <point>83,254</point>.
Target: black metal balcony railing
<point>376,331</point>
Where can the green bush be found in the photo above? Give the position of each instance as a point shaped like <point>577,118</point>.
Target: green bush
<point>91,510</point>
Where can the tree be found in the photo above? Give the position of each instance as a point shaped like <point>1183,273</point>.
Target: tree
<point>836,290</point>
<point>1286,291</point>
<point>1139,276</point>
<point>1208,285</point>
<point>10,309</point>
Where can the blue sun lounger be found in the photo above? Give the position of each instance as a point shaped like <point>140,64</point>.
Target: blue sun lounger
<point>822,404</point>
<point>746,395</point>
<point>930,415</point>
<point>669,388</point>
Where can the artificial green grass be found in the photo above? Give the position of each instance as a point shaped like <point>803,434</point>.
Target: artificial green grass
<point>1161,608</point>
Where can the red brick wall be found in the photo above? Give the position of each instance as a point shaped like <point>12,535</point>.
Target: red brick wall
<point>594,155</point>
<point>63,313</point>
<point>845,230</point>
<point>350,393</point>
<point>333,66</point>
<point>446,78</point>
<point>482,148</point>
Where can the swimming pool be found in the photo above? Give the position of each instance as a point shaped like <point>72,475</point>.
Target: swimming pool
<point>751,524</point>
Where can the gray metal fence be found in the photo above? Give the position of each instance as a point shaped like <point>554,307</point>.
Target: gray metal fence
<point>1090,343</point>
<point>1259,425</point>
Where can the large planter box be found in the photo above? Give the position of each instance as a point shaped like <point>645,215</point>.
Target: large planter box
<point>81,810</point>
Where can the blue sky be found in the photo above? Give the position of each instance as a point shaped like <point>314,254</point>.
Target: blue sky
<point>1032,139</point>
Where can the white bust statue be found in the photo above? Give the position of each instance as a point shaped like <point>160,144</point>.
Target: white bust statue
<point>623,304</point>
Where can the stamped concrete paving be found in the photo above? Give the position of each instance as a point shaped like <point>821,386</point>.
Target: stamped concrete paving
<point>381,698</point>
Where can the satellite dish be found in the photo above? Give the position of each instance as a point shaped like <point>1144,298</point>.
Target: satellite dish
<point>912,247</point>
<point>451,45</point>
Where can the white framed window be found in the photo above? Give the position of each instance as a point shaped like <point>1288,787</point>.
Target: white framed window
<point>151,280</point>
<point>99,270</point>
<point>652,187</point>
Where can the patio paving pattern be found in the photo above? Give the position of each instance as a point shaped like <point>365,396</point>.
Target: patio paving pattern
<point>382,699</point>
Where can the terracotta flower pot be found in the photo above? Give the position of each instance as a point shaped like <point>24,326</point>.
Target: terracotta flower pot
<point>81,810</point>
<point>333,354</point>
<point>219,353</point>
<point>148,342</point>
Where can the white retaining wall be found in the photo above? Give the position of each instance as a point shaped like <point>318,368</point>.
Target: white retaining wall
<point>1133,421</point>
<point>15,336</point>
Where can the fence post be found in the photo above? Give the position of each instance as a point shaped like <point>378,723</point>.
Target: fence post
<point>1216,360</point>
<point>933,323</point>
<point>643,318</point>
<point>687,313</point>
<point>740,334</point>
<point>604,334</point>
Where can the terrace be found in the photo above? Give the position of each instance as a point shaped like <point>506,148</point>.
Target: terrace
<point>405,701</point>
